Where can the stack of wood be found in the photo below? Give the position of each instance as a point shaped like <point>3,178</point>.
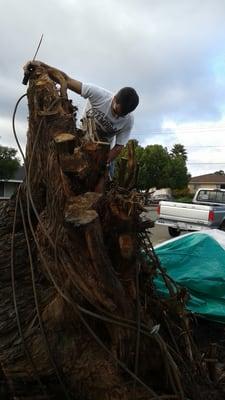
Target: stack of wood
<point>79,314</point>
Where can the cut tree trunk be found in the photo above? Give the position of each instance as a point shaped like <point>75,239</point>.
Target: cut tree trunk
<point>79,315</point>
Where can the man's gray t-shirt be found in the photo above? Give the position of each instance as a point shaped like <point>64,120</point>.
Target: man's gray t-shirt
<point>108,125</point>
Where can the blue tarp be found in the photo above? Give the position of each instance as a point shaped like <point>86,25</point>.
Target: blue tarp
<point>196,261</point>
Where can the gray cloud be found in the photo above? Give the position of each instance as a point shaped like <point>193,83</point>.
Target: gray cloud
<point>168,50</point>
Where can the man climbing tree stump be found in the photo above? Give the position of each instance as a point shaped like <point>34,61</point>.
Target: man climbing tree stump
<point>79,316</point>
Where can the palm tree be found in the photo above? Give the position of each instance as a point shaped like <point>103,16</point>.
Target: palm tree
<point>179,150</point>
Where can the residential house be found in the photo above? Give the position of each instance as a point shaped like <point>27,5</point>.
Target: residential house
<point>214,181</point>
<point>8,186</point>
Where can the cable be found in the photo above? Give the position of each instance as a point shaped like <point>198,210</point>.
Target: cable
<point>37,305</point>
<point>76,309</point>
<point>14,127</point>
<point>43,260</point>
<point>31,263</point>
<point>68,300</point>
<point>28,355</point>
<point>40,222</point>
<point>138,311</point>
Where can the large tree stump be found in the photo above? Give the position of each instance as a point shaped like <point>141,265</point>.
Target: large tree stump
<point>79,316</point>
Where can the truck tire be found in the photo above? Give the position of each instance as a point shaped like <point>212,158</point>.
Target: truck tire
<point>222,226</point>
<point>173,231</point>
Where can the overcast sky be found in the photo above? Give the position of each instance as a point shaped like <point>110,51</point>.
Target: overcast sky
<point>171,51</point>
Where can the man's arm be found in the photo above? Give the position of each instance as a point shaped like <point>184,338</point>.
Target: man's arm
<point>114,152</point>
<point>72,84</point>
<point>112,155</point>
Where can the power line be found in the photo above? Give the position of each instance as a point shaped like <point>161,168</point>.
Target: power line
<point>209,163</point>
<point>190,145</point>
<point>186,128</point>
<point>198,146</point>
<point>182,131</point>
<point>193,145</point>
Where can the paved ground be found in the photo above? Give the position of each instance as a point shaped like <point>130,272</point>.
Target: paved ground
<point>159,233</point>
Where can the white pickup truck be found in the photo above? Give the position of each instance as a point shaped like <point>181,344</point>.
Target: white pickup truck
<point>207,211</point>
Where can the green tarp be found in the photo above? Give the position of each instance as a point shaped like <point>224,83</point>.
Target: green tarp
<point>196,261</point>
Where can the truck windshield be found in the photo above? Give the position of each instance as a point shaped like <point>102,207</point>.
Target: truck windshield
<point>212,196</point>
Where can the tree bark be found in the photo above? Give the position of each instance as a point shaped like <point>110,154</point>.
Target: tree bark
<point>79,312</point>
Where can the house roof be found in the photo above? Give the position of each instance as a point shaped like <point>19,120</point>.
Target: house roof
<point>208,178</point>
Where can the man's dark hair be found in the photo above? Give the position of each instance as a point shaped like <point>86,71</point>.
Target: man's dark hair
<point>128,99</point>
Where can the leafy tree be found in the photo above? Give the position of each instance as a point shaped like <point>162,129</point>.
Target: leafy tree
<point>179,150</point>
<point>154,163</point>
<point>159,168</point>
<point>178,174</point>
<point>9,163</point>
<point>220,172</point>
